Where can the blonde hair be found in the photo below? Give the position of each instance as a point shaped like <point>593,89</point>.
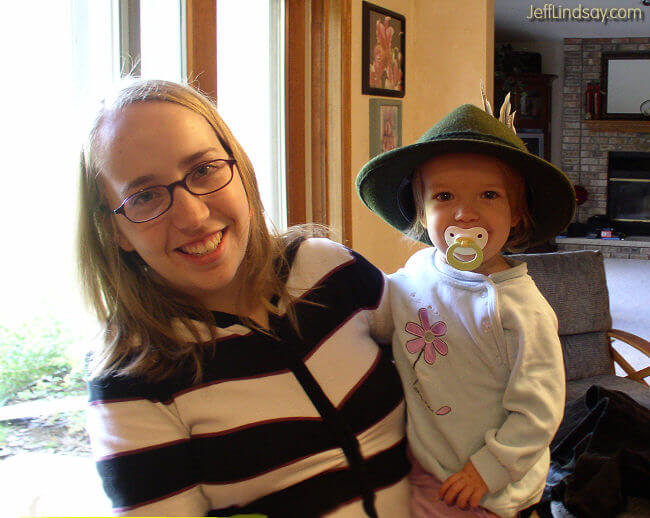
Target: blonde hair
<point>139,313</point>
<point>520,234</point>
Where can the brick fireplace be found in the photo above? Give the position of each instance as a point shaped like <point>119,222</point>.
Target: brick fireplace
<point>585,147</point>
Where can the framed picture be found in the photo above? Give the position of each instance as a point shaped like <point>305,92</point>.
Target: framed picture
<point>382,56</point>
<point>385,125</point>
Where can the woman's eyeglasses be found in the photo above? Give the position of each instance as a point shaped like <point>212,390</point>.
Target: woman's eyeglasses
<point>153,202</point>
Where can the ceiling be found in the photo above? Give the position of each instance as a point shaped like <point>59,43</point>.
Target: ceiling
<point>511,23</point>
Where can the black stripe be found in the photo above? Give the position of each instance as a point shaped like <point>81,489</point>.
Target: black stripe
<point>114,387</point>
<point>247,453</point>
<point>356,286</point>
<point>327,491</point>
<point>132,479</point>
<point>380,393</point>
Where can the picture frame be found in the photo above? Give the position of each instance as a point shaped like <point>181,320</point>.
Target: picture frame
<point>385,125</point>
<point>624,79</point>
<point>383,54</point>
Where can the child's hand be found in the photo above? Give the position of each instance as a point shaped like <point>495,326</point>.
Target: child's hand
<point>465,487</point>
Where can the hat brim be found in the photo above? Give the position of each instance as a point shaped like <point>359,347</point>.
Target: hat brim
<point>382,187</point>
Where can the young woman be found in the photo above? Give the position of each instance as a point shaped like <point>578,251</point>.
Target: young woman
<point>240,371</point>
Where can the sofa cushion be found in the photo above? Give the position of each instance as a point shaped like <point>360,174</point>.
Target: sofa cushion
<point>575,286</point>
<point>637,391</point>
<point>586,355</point>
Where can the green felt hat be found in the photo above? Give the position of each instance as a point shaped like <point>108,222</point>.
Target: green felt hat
<point>384,183</point>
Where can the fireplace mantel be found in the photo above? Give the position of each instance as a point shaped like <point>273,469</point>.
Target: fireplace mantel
<point>634,247</point>
<point>618,126</point>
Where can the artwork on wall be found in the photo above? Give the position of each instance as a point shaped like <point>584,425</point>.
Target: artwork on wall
<point>383,66</point>
<point>385,125</point>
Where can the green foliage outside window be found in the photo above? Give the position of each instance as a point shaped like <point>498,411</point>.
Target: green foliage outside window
<point>35,361</point>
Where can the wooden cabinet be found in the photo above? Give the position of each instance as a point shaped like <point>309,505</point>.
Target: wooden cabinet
<point>530,96</point>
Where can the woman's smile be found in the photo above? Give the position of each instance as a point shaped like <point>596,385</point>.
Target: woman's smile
<point>208,250</point>
<point>202,246</point>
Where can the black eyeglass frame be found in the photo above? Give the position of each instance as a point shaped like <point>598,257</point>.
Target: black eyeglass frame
<point>170,188</point>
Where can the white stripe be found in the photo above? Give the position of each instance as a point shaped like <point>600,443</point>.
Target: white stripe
<point>315,259</point>
<point>225,406</point>
<point>123,426</point>
<point>338,365</point>
<point>344,358</point>
<point>184,333</point>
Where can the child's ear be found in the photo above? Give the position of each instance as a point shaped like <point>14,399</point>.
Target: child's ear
<point>515,218</point>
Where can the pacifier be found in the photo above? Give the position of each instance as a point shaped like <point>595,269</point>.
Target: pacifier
<point>465,242</point>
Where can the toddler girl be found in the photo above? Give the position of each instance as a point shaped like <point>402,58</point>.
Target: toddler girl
<point>475,342</point>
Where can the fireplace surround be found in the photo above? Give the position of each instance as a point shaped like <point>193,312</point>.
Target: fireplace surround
<point>586,146</point>
<point>628,192</point>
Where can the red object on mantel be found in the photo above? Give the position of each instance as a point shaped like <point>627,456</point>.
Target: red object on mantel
<point>597,101</point>
<point>589,102</point>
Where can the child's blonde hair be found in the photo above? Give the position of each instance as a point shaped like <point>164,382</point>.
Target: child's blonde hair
<point>139,313</point>
<point>520,234</point>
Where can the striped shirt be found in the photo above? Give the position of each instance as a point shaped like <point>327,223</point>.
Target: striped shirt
<point>248,438</point>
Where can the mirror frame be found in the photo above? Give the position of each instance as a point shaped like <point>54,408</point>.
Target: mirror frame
<point>606,56</point>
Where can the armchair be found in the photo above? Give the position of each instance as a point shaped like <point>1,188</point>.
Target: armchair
<point>574,284</point>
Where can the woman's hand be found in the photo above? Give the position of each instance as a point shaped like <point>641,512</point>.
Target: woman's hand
<point>465,487</point>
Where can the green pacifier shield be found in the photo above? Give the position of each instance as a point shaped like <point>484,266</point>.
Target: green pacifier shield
<point>465,265</point>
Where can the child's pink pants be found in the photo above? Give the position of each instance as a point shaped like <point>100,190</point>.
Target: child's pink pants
<point>425,502</point>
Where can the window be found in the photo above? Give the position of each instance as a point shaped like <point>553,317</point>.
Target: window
<point>73,52</point>
<point>250,92</point>
<point>59,57</point>
<point>161,34</point>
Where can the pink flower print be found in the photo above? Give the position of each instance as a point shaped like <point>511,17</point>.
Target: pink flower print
<point>393,71</point>
<point>384,34</point>
<point>384,71</point>
<point>427,338</point>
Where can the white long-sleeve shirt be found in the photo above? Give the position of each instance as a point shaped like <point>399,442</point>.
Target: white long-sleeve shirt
<point>481,364</point>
